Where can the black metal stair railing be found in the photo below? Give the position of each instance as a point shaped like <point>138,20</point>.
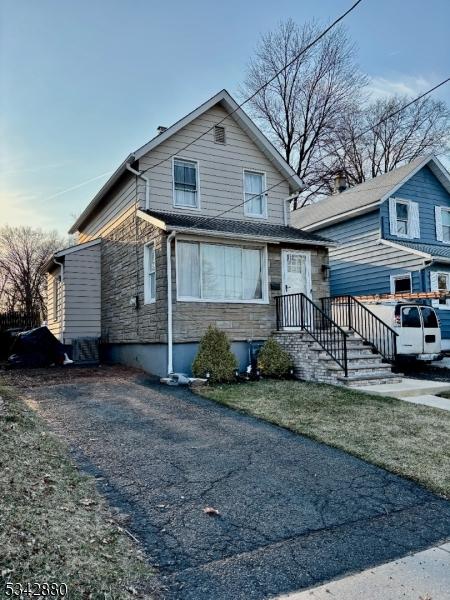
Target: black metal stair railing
<point>350,313</point>
<point>297,311</point>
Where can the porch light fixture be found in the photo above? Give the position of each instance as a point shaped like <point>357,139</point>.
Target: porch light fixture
<point>326,271</point>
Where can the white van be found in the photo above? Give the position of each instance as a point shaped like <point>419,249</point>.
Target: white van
<point>417,326</point>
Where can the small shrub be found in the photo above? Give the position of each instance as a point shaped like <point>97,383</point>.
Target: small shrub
<point>215,357</point>
<point>273,361</point>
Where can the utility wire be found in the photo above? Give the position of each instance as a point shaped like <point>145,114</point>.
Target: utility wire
<point>264,85</point>
<point>393,114</point>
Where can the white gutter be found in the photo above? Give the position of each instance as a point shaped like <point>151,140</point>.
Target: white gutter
<point>147,184</point>
<point>63,300</point>
<point>170,237</point>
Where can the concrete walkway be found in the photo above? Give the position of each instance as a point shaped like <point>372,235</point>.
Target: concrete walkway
<point>417,391</point>
<point>422,576</point>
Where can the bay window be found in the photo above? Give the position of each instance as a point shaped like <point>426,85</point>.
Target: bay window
<point>219,272</point>
<point>185,183</point>
<point>255,204</point>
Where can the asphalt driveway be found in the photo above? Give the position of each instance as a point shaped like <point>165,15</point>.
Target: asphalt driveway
<point>293,512</point>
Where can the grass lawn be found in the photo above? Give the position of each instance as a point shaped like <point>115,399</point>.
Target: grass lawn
<point>54,526</point>
<point>408,439</point>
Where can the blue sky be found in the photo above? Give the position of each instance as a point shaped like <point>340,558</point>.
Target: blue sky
<point>83,83</point>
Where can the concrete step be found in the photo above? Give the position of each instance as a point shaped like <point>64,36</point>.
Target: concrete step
<point>378,368</point>
<point>358,356</point>
<point>359,380</point>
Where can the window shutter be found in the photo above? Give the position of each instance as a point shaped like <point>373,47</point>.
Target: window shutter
<point>438,221</point>
<point>392,216</point>
<point>414,229</point>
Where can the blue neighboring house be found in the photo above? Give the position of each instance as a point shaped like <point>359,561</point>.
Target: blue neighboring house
<point>392,234</point>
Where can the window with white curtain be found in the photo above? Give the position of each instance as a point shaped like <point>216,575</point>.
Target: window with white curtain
<point>255,204</point>
<point>149,274</point>
<point>185,183</point>
<point>219,272</point>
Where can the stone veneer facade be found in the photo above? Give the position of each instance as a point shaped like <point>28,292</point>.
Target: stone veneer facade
<point>123,278</point>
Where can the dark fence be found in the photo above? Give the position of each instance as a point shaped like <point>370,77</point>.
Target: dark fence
<point>19,320</point>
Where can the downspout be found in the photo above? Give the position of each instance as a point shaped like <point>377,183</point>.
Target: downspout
<point>63,303</point>
<point>170,237</point>
<point>147,185</point>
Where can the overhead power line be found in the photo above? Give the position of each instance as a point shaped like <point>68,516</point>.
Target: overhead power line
<point>380,122</point>
<point>264,85</point>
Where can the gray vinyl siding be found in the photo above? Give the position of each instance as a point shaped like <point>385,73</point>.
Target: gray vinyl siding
<point>220,168</point>
<point>117,206</point>
<point>82,285</point>
<point>424,188</point>
<point>360,264</point>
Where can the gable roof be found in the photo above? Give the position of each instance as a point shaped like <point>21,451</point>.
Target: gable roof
<point>435,252</point>
<point>63,253</point>
<point>231,106</point>
<point>235,228</point>
<point>365,196</point>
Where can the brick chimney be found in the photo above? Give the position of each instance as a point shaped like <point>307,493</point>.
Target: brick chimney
<point>340,183</point>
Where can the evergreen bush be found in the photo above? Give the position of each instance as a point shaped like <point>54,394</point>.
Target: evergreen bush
<point>215,357</point>
<point>273,361</point>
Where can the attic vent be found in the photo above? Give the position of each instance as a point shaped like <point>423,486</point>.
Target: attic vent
<point>219,134</point>
<point>85,350</point>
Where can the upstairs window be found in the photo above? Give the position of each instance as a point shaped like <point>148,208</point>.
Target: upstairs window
<point>442,218</point>
<point>255,204</point>
<point>149,274</point>
<point>404,218</point>
<point>185,183</point>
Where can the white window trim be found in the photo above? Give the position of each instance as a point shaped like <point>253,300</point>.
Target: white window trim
<point>264,194</point>
<point>444,209</point>
<point>400,276</point>
<point>197,163</point>
<point>406,235</point>
<point>148,299</point>
<point>265,272</point>
<point>435,303</point>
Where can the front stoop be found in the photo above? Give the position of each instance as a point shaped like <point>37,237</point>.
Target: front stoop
<point>312,363</point>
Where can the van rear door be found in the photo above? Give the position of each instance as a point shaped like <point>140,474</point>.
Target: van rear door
<point>410,339</point>
<point>431,331</point>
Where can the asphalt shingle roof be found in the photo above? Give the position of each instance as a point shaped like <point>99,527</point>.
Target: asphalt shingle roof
<point>359,196</point>
<point>435,250</point>
<point>254,229</point>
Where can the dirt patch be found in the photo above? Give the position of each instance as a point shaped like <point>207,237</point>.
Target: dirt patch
<point>31,378</point>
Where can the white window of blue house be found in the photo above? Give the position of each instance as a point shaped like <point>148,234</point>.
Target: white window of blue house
<point>442,219</point>
<point>255,200</point>
<point>440,282</point>
<point>149,274</point>
<point>221,273</point>
<point>404,218</point>
<point>401,284</point>
<point>185,183</point>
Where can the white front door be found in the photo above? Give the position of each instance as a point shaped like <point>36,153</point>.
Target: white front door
<point>296,272</point>
<point>296,279</point>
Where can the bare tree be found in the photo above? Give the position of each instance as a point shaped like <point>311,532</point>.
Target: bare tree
<point>24,253</point>
<point>302,107</point>
<point>363,148</point>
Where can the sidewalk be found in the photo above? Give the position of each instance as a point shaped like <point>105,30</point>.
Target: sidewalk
<point>421,576</point>
<point>418,391</point>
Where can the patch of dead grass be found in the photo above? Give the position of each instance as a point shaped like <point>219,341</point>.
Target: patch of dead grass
<point>407,439</point>
<point>54,526</point>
